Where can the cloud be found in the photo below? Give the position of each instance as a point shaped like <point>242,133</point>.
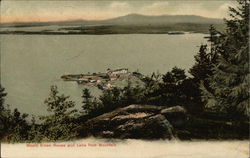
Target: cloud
<point>223,9</point>
<point>225,6</point>
<point>155,8</point>
<point>119,5</point>
<point>158,5</point>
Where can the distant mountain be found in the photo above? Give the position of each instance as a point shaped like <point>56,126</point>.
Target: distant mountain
<point>137,19</point>
<point>128,20</point>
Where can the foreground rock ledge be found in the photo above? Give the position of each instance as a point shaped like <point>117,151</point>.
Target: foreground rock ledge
<point>136,121</point>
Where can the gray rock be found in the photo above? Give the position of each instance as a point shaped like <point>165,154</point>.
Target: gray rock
<point>134,121</point>
<point>176,115</point>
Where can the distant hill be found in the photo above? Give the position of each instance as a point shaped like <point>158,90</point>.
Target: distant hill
<point>131,19</point>
<point>137,19</point>
<point>129,24</point>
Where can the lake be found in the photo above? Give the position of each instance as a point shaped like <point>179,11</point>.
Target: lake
<point>30,64</point>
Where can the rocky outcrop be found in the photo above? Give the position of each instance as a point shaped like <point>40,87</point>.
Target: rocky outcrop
<point>135,121</point>
<point>177,115</point>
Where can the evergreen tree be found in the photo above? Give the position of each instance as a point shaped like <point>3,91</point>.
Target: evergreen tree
<point>60,124</point>
<point>130,94</point>
<point>111,99</point>
<point>230,78</point>
<point>202,69</point>
<point>213,39</point>
<point>35,133</point>
<point>176,76</point>
<point>91,107</point>
<point>2,113</point>
<point>87,101</point>
<point>203,66</point>
<point>173,92</point>
<point>13,124</point>
<point>169,92</point>
<point>2,96</point>
<point>18,127</point>
<point>205,59</point>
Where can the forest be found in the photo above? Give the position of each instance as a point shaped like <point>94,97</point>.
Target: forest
<point>214,97</point>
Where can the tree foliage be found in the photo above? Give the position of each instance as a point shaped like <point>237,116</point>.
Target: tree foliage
<point>13,125</point>
<point>230,74</point>
<point>61,123</point>
<point>87,101</point>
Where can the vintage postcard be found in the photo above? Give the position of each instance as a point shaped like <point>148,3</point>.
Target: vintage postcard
<point>124,78</point>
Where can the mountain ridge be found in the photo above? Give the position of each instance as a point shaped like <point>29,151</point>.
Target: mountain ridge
<point>129,19</point>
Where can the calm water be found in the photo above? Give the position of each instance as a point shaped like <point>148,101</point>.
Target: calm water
<point>30,64</point>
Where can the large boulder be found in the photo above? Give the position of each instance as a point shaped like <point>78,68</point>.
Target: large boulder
<point>134,121</point>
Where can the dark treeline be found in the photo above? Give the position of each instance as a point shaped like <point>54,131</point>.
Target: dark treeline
<point>217,90</point>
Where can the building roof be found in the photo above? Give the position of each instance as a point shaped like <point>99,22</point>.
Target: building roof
<point>118,69</point>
